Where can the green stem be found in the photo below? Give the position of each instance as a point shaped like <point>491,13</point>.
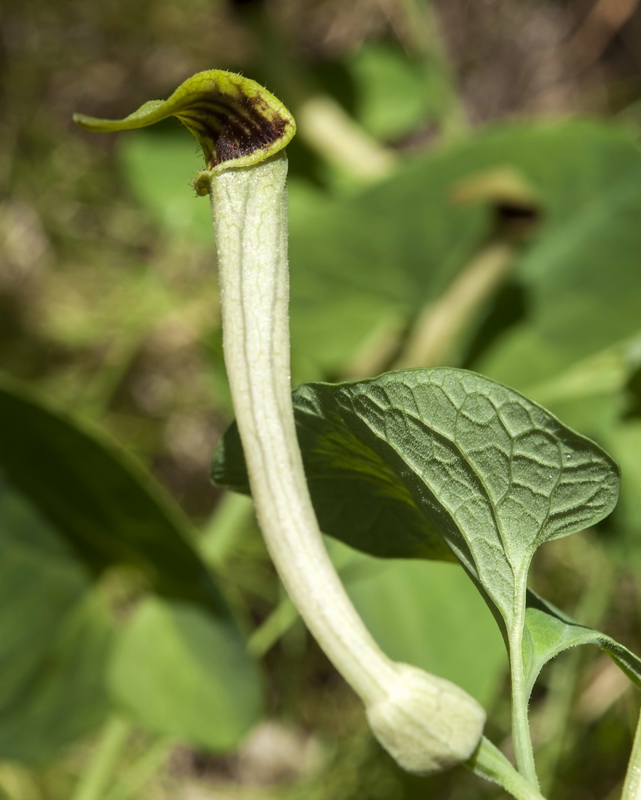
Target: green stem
<point>425,722</point>
<point>439,327</point>
<point>276,624</point>
<point>141,771</point>
<point>223,528</point>
<point>16,783</point>
<point>521,736</point>
<point>632,785</point>
<point>488,762</point>
<point>554,723</point>
<point>425,40</point>
<point>520,724</point>
<point>93,783</point>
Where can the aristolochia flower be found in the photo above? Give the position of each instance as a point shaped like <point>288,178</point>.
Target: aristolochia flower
<point>425,722</point>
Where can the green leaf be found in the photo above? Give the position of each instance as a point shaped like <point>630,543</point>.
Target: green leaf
<point>68,697</point>
<point>366,265</point>
<point>577,306</point>
<point>55,638</point>
<point>392,94</point>
<point>157,166</point>
<point>184,673</point>
<point>549,632</point>
<point>107,512</point>
<point>103,504</point>
<point>590,393</point>
<point>397,462</point>
<point>377,258</point>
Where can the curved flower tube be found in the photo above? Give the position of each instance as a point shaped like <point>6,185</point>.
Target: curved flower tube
<point>426,723</point>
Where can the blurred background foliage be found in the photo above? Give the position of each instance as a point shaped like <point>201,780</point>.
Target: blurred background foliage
<point>465,190</point>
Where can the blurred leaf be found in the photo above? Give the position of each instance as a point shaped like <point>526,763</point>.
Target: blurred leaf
<point>589,394</point>
<point>98,498</point>
<point>397,462</point>
<point>107,512</point>
<point>184,673</point>
<point>581,274</point>
<point>624,440</point>
<point>393,97</point>
<point>55,638</point>
<point>67,697</point>
<point>583,286</point>
<point>429,615</point>
<point>550,631</point>
<point>389,251</point>
<point>375,259</point>
<point>159,168</point>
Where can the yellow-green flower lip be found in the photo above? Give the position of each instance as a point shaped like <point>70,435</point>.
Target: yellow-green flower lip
<point>236,121</point>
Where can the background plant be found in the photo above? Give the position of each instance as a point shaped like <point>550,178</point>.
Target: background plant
<point>109,312</point>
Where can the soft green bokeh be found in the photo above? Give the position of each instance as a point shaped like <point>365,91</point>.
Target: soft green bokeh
<point>84,508</point>
<point>55,638</point>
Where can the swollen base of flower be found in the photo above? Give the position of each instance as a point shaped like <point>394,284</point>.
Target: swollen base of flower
<point>426,723</point>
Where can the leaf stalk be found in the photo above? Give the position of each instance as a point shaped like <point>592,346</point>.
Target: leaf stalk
<point>521,735</point>
<point>488,762</point>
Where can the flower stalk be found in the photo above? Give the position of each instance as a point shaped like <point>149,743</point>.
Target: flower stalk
<point>425,722</point>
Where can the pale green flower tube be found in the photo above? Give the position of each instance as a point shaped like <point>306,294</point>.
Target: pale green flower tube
<point>426,723</point>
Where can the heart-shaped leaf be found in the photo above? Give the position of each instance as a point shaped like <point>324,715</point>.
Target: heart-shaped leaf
<point>396,462</point>
<point>401,464</point>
